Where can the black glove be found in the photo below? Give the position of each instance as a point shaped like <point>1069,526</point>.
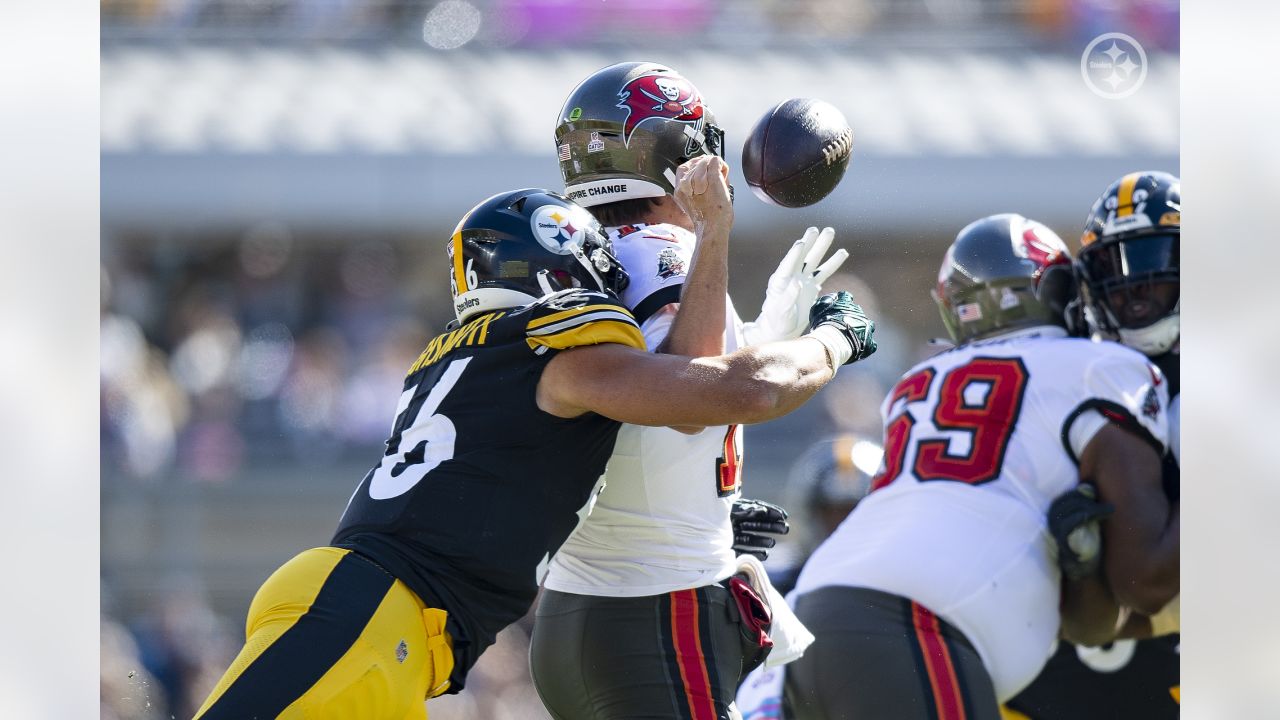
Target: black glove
<point>839,311</point>
<point>751,518</point>
<point>1075,522</point>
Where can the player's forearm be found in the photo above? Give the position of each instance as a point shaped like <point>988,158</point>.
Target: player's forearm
<point>699,326</point>
<point>768,381</point>
<point>1147,576</point>
<point>1089,611</point>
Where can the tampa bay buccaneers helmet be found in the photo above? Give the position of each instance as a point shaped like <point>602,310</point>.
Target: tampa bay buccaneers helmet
<point>1128,263</point>
<point>517,246</point>
<point>625,129</point>
<point>1003,272</point>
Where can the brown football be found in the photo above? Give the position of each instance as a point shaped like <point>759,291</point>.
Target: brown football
<point>797,152</point>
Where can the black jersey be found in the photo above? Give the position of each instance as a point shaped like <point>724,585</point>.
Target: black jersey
<point>479,487</point>
<point>1127,679</point>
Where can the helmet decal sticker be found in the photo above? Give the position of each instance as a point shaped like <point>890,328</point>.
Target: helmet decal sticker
<point>969,312</point>
<point>558,228</point>
<point>1045,250</point>
<point>664,96</point>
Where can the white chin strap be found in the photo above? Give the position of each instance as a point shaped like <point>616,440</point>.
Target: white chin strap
<point>1155,339</point>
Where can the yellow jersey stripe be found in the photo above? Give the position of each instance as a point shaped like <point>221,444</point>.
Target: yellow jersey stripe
<point>595,332</point>
<point>603,314</point>
<point>566,314</point>
<point>1124,196</point>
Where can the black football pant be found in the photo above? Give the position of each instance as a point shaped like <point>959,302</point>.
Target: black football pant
<point>879,656</point>
<point>678,655</point>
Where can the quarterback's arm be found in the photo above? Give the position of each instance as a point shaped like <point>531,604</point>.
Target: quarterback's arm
<point>702,191</point>
<point>748,386</point>
<point>1140,542</point>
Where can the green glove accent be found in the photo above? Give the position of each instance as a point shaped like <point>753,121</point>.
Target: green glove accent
<point>838,310</point>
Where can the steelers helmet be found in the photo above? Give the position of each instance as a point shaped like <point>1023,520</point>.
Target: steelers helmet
<point>1003,272</point>
<point>518,246</point>
<point>832,476</point>
<point>625,129</point>
<point>1128,262</point>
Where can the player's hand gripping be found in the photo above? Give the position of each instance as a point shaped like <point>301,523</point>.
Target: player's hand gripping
<point>753,522</point>
<point>793,287</point>
<point>702,191</point>
<point>840,323</point>
<point>1075,521</point>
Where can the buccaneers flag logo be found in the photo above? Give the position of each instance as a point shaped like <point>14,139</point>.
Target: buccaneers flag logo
<point>666,96</point>
<point>1044,253</point>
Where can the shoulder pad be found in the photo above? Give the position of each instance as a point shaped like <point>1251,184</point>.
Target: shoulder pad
<point>580,317</point>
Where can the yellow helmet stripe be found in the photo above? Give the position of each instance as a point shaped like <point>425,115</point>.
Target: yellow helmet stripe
<point>459,273</point>
<point>1124,196</point>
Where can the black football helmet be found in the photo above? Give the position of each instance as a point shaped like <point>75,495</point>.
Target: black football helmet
<point>1128,263</point>
<point>625,129</point>
<point>520,245</point>
<point>829,478</point>
<point>1003,272</point>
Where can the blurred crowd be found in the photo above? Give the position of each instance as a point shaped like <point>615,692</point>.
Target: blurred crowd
<point>225,352</point>
<point>448,24</point>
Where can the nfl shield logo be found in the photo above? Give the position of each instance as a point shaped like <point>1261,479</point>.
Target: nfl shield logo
<point>402,651</point>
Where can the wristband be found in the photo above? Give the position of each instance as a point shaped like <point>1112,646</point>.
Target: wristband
<point>839,350</point>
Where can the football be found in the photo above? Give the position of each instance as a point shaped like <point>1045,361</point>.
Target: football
<point>797,152</point>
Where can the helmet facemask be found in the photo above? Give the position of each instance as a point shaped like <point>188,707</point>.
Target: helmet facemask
<point>1132,290</point>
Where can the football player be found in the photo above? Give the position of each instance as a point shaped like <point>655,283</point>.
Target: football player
<point>1128,271</point>
<point>939,596</point>
<point>501,432</point>
<point>829,479</point>
<point>638,617</point>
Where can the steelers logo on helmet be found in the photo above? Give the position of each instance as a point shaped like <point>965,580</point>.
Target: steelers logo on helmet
<point>560,229</point>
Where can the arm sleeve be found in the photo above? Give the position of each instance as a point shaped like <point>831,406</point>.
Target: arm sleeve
<point>1122,388</point>
<point>657,259</point>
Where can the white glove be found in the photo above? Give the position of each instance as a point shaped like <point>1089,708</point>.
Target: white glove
<point>793,288</point>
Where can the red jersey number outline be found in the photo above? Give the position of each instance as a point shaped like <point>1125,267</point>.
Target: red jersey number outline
<point>729,464</point>
<point>989,423</point>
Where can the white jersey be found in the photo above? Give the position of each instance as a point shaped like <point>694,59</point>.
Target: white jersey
<point>661,521</point>
<point>979,440</point>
